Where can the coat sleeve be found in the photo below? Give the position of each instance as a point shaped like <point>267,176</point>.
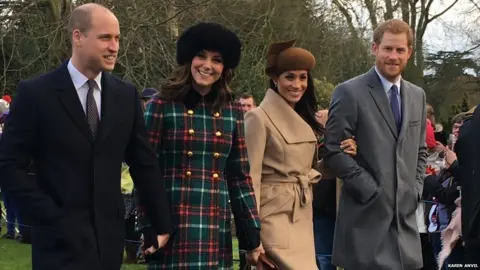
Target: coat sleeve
<point>256,139</point>
<point>422,151</point>
<point>341,124</point>
<point>17,148</point>
<point>241,190</point>
<point>144,169</point>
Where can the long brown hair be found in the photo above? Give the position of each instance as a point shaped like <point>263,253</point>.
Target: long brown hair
<point>179,82</point>
<point>307,106</point>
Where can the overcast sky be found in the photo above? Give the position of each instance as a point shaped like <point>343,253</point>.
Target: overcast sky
<point>451,31</point>
<point>448,32</point>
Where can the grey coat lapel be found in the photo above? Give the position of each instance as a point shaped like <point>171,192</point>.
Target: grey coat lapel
<point>406,99</point>
<point>381,99</point>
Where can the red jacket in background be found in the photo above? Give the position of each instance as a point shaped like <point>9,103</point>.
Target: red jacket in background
<point>430,138</point>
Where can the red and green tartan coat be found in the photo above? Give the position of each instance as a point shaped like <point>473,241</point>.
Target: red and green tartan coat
<point>195,147</point>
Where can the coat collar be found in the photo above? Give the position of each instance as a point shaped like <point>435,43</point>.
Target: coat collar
<point>69,98</point>
<point>290,125</point>
<point>192,97</point>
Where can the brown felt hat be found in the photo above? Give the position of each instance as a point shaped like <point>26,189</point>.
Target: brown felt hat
<point>282,56</point>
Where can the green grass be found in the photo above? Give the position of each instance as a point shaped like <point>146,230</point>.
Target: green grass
<point>16,256</point>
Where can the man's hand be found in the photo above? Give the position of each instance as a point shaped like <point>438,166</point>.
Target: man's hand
<point>252,256</point>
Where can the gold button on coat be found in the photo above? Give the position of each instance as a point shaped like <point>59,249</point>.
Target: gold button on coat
<point>216,155</point>
<point>216,114</point>
<point>190,112</point>
<point>218,134</point>
<point>191,131</point>
<point>215,176</point>
<point>188,173</point>
<point>190,153</point>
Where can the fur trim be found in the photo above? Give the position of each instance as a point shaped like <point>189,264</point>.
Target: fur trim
<point>212,37</point>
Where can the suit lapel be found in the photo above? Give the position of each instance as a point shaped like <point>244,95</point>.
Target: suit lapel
<point>381,100</point>
<point>69,98</point>
<point>406,99</point>
<point>109,101</point>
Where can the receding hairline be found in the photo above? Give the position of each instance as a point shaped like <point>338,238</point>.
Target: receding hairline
<point>81,16</point>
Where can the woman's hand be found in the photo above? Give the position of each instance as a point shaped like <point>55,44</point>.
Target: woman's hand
<point>349,146</point>
<point>252,256</point>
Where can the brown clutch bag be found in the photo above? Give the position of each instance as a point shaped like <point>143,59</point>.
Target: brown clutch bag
<point>264,264</point>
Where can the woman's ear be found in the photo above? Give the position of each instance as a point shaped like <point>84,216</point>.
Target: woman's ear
<point>275,80</point>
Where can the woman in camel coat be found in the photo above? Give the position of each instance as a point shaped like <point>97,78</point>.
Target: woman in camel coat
<point>282,136</point>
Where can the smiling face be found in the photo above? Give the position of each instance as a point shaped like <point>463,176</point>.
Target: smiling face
<point>97,47</point>
<point>292,85</point>
<point>206,68</point>
<point>391,55</point>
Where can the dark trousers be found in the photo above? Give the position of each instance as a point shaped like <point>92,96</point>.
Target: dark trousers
<point>132,238</point>
<point>16,218</point>
<point>429,262</point>
<point>472,254</point>
<point>324,229</point>
<point>1,212</point>
<point>13,216</point>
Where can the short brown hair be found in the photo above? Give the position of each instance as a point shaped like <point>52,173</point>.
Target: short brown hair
<point>394,26</point>
<point>246,96</point>
<point>80,19</point>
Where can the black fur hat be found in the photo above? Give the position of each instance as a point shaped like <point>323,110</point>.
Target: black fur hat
<point>211,37</point>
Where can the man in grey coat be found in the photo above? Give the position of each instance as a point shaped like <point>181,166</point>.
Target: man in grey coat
<point>376,226</point>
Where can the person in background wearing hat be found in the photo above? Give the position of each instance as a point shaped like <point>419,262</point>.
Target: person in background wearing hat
<point>196,128</point>
<point>376,223</point>
<point>282,135</point>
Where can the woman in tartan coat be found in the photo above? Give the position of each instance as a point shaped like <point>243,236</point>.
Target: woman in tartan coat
<point>196,129</point>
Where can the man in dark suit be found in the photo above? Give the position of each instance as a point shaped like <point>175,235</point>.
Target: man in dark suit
<point>467,149</point>
<point>78,123</point>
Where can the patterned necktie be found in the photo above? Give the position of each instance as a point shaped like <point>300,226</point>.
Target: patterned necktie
<point>395,107</point>
<point>92,110</point>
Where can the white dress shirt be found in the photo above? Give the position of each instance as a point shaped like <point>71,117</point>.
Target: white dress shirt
<point>80,82</point>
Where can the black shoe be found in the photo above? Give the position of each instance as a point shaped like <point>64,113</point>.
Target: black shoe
<point>8,236</point>
<point>24,240</point>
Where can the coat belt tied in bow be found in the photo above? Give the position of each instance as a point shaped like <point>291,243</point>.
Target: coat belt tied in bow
<point>303,195</point>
